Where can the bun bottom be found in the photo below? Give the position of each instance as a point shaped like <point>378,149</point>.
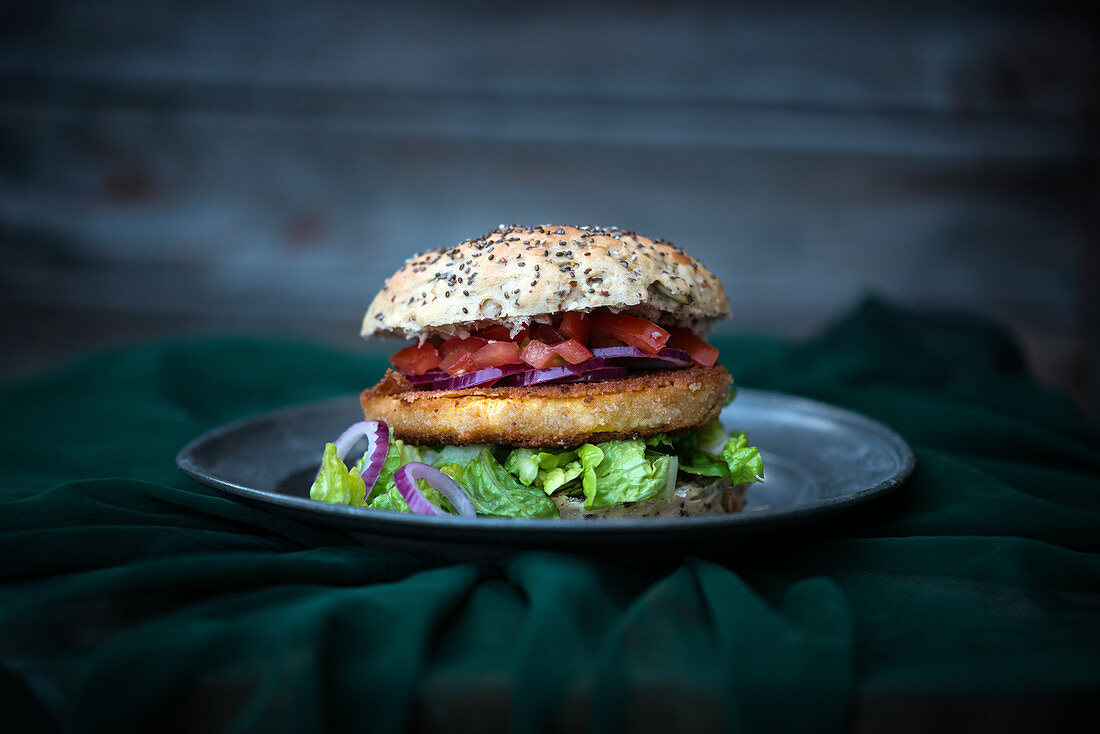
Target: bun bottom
<point>689,499</point>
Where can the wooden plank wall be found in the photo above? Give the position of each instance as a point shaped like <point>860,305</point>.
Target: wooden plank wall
<point>173,168</point>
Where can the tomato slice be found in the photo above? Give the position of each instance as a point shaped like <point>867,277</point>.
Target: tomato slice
<point>458,362</point>
<point>497,354</point>
<point>546,334</point>
<point>540,355</point>
<point>631,330</point>
<point>700,352</point>
<point>416,359</point>
<point>470,344</point>
<point>572,351</point>
<point>496,333</point>
<point>575,325</point>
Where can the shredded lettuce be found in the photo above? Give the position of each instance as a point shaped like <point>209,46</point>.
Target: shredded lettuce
<point>548,470</point>
<point>559,477</point>
<point>524,465</point>
<point>711,452</point>
<point>622,471</point>
<point>461,455</point>
<point>519,482</point>
<point>496,491</point>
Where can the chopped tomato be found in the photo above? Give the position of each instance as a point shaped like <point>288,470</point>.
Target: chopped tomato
<point>699,351</point>
<point>497,354</point>
<point>631,330</point>
<point>458,362</point>
<point>470,344</point>
<point>599,339</point>
<point>572,351</point>
<point>546,333</point>
<point>540,355</point>
<point>575,325</point>
<point>496,333</point>
<point>416,359</point>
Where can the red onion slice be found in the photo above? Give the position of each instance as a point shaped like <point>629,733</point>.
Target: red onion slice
<point>613,372</point>
<point>405,479</point>
<point>378,445</point>
<point>377,434</point>
<point>427,377</point>
<point>535,376</point>
<point>669,355</point>
<point>353,433</point>
<point>440,380</point>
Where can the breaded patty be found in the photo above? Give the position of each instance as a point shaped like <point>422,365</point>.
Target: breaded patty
<point>550,415</point>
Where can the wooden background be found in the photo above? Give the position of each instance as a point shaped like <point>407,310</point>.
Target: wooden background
<point>175,168</point>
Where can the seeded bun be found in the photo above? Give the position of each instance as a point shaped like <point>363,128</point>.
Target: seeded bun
<point>516,275</point>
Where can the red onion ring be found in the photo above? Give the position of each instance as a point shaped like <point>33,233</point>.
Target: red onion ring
<point>427,377</point>
<point>377,434</point>
<point>405,479</point>
<point>533,376</point>
<point>611,372</point>
<point>378,445</point>
<point>440,380</point>
<point>671,356</point>
<point>350,436</point>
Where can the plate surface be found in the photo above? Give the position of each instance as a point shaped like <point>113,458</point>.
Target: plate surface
<point>817,459</point>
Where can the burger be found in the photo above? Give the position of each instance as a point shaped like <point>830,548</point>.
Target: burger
<point>550,372</point>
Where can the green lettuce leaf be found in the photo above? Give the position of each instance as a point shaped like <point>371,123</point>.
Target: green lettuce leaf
<point>710,438</point>
<point>547,470</point>
<point>704,464</point>
<point>621,471</point>
<point>389,498</point>
<point>524,465</point>
<point>551,480</point>
<point>495,491</point>
<point>744,462</point>
<point>336,483</point>
<point>461,455</point>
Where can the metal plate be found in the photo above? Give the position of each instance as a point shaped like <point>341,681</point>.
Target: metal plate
<point>817,459</point>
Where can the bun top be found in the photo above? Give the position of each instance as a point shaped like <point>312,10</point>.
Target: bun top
<point>515,275</point>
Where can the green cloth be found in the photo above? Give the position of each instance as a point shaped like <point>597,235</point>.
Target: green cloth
<point>135,599</point>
